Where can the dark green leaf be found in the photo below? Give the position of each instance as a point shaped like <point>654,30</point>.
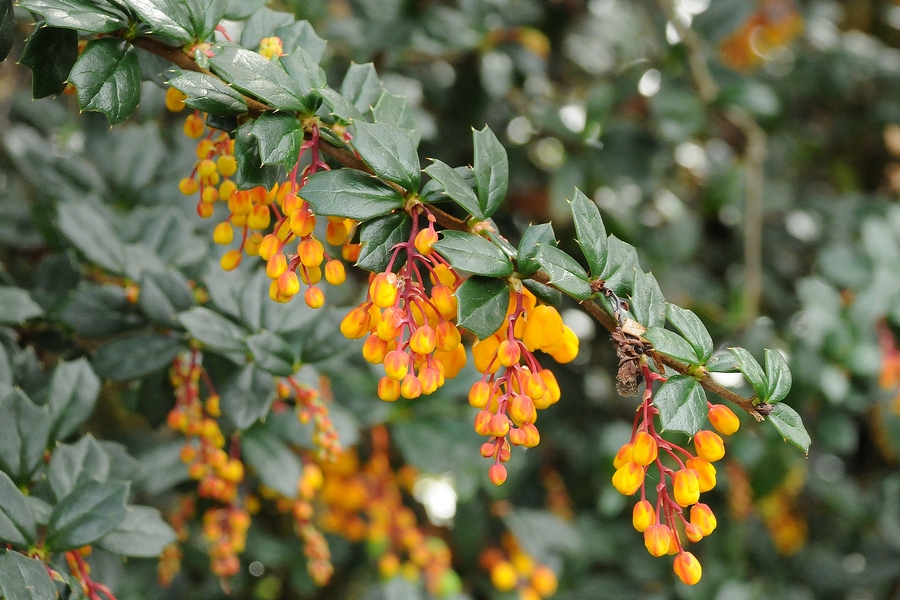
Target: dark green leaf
<point>340,107</point>
<point>550,295</point>
<point>280,136</point>
<point>752,371</point>
<point>50,53</point>
<point>390,152</point>
<point>251,172</point>
<point>621,260</point>
<point>207,93</point>
<point>361,87</point>
<point>396,111</point>
<point>247,396</point>
<point>491,170</point>
<point>91,511</point>
<point>99,310</point>
<point>378,238</point>
<point>455,187</point>
<point>483,302</point>
<point>204,16</point>
<point>317,340</point>
<point>108,78</point>
<point>138,355</point>
<point>7,25</point>
<point>16,306</point>
<point>253,74</point>
<point>723,363</point>
<point>272,353</point>
<point>473,254</point>
<point>682,404</point>
<point>778,376</point>
<point>24,430</point>
<point>83,15</point>
<point>261,24</point>
<point>74,389</point>
<point>672,345</point>
<point>142,533</point>
<point>164,294</point>
<point>693,330</point>
<point>91,234</point>
<point>533,237</point>
<point>564,271</point>
<point>307,75</point>
<point>238,10</point>
<point>647,302</point>
<point>351,194</point>
<point>17,524</point>
<point>543,533</point>
<point>215,331</point>
<point>591,231</point>
<point>23,578</point>
<point>122,464</point>
<point>788,423</point>
<point>75,464</point>
<point>165,17</point>
<point>274,463</point>
<point>300,34</point>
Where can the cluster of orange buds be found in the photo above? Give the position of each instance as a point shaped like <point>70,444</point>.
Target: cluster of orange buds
<point>169,564</point>
<point>511,568</point>
<point>203,450</point>
<point>179,518</point>
<point>313,408</point>
<point>225,531</point>
<point>81,572</point>
<point>693,474</point>
<point>509,400</point>
<point>409,328</point>
<point>270,47</point>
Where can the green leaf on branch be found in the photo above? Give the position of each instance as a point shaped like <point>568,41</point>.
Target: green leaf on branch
<point>300,34</point>
<point>548,294</point>
<point>50,53</point>
<point>350,194</point>
<point>752,371</point>
<point>307,75</point>
<point>143,533</point>
<point>23,578</point>
<point>621,260</point>
<point>75,464</point>
<point>24,431</point>
<point>390,152</point>
<point>317,341</point>
<point>204,16</point>
<point>788,423</point>
<point>137,355</point>
<point>396,111</point>
<point>564,271</point>
<point>532,239</point>
<point>250,170</point>
<point>108,78</point>
<point>247,396</point>
<point>17,525</point>
<point>682,404</point>
<point>473,254</point>
<point>99,310</point>
<point>74,389</point>
<point>378,238</point>
<point>590,230</point>
<point>723,363</point>
<point>693,330</point>
<point>165,17</point>
<point>253,74</point>
<point>491,171</point>
<point>7,26</point>
<point>361,87</point>
<point>271,353</point>
<point>262,23</point>
<point>214,331</point>
<point>83,15</point>
<point>92,510</point>
<point>280,136</point>
<point>647,302</point>
<point>483,302</point>
<point>778,376</point>
<point>272,460</point>
<point>207,93</point>
<point>340,107</point>
<point>88,230</point>
<point>457,188</point>
<point>672,345</point>
<point>164,294</point>
<point>16,306</point>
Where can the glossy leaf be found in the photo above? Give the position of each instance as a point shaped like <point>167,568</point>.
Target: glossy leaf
<point>16,306</point>
<point>208,94</point>
<point>17,524</point>
<point>99,310</point>
<point>491,169</point>
<point>143,533</point>
<point>455,187</point>
<point>788,423</point>
<point>778,376</point>
<point>396,111</point>
<point>361,87</point>
<point>340,107</point>
<point>390,152</point>
<point>108,78</point>
<point>564,271</point>
<point>75,464</point>
<point>307,76</point>
<point>137,355</point>
<point>682,404</point>
<point>271,353</point>
<point>274,463</point>
<point>165,17</point>
<point>378,238</point>
<point>250,170</point>
<point>723,363</point>
<point>752,371</point>
<point>91,511</point>
<point>74,389</point>
<point>204,16</point>
<point>473,254</point>
<point>24,430</point>
<point>590,230</point>
<point>256,76</point>
<point>647,302</point>
<point>482,305</point>
<point>693,330</point>
<point>247,396</point>
<point>82,15</point>
<point>280,136</point>
<point>621,260</point>
<point>50,53</point>
<point>23,578</point>
<point>549,295</point>
<point>213,330</point>
<point>532,239</point>
<point>300,34</point>
<point>351,194</point>
<point>672,345</point>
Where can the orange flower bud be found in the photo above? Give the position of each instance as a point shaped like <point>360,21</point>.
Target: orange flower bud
<point>480,394</point>
<point>443,275</point>
<point>384,289</point>
<point>223,233</point>
<point>483,422</point>
<point>269,247</point>
<point>624,455</point>
<point>497,474</point>
<point>657,539</point>
<point>310,275</point>
<point>194,126</point>
<point>175,99</point>
<point>723,419</point>
<point>535,388</point>
<point>410,387</point>
<point>517,437</point>
<point>288,283</point>
<point>356,323</point>
<point>431,380</point>
<point>508,353</point>
<point>227,190</point>
<point>567,349</point>
<point>532,435</point>
<point>422,340</point>
<point>276,265</point>
<point>702,516</point>
<point>645,449</point>
<point>230,260</point>
<point>396,364</point>
<point>686,487</point>
<point>239,203</point>
<point>205,210</point>
<point>425,239</point>
<point>259,217</point>
<point>290,202</point>
<point>335,233</point>
<point>311,252</point>
<point>709,445</point>
<point>443,299</point>
<point>628,478</point>
<point>687,567</point>
<point>483,353</point>
<point>521,409</point>
<point>334,272</point>
<point>206,168</point>
<point>552,386</point>
<point>188,186</point>
<point>302,222</point>
<point>706,473</point>
<point>447,336</point>
<point>544,581</point>
<point>693,532</point>
<point>388,389</point>
<point>226,165</point>
<point>643,515</point>
<point>388,327</point>
<point>314,297</point>
<point>499,425</point>
<point>375,349</point>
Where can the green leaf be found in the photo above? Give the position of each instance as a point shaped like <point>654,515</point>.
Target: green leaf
<point>482,305</point>
<point>50,53</point>
<point>108,78</point>
<point>204,16</point>
<point>693,330</point>
<point>532,239</point>
<point>647,302</point>
<point>262,23</point>
<point>491,170</point>
<point>253,74</point>
<point>788,423</point>
<point>300,34</point>
<point>361,87</point>
<point>215,331</point>
<point>250,170</point>
<point>143,533</point>
<point>92,510</point>
<point>7,27</point>
<point>317,339</point>
<point>16,306</point>
<point>165,17</point>
<point>682,404</point>
<point>340,107</point>
<point>75,464</point>
<point>752,371</point>
<point>164,294</point>
<point>280,136</point>
<point>778,376</point>
<point>307,76</point>
<point>473,254</point>
<point>207,93</point>
<point>378,238</point>
<point>17,525</point>
<point>137,355</point>
<point>350,194</point>
<point>590,231</point>
<point>564,271</point>
<point>621,260</point>
<point>542,533</point>
<point>723,363</point>
<point>396,111</point>
<point>274,463</point>
<point>672,345</point>
<point>74,389</point>
<point>390,152</point>
<point>23,578</point>
<point>271,353</point>
<point>100,310</point>
<point>24,430</point>
<point>455,187</point>
<point>247,396</point>
<point>550,295</point>
<point>88,230</point>
<point>83,15</point>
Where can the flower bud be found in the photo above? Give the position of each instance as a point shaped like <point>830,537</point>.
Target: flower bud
<point>314,297</point>
<point>686,487</point>
<point>422,340</point>
<point>356,323</point>
<point>483,422</point>
<point>425,239</point>
<point>335,274</point>
<point>375,349</point>
<point>383,289</point>
<point>447,336</point>
<point>706,473</point>
<point>497,474</point>
<point>628,478</point>
<point>645,448</point>
<point>230,260</point>
<point>411,387</point>
<point>709,445</point>
<point>276,265</point>
<point>723,419</point>
<point>702,516</point>
<point>643,515</point>
<point>624,455</point>
<point>508,353</point>
<point>388,389</point>
<point>223,233</point>
<point>657,539</point>
<point>687,567</point>
<point>396,364</point>
<point>532,435</point>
